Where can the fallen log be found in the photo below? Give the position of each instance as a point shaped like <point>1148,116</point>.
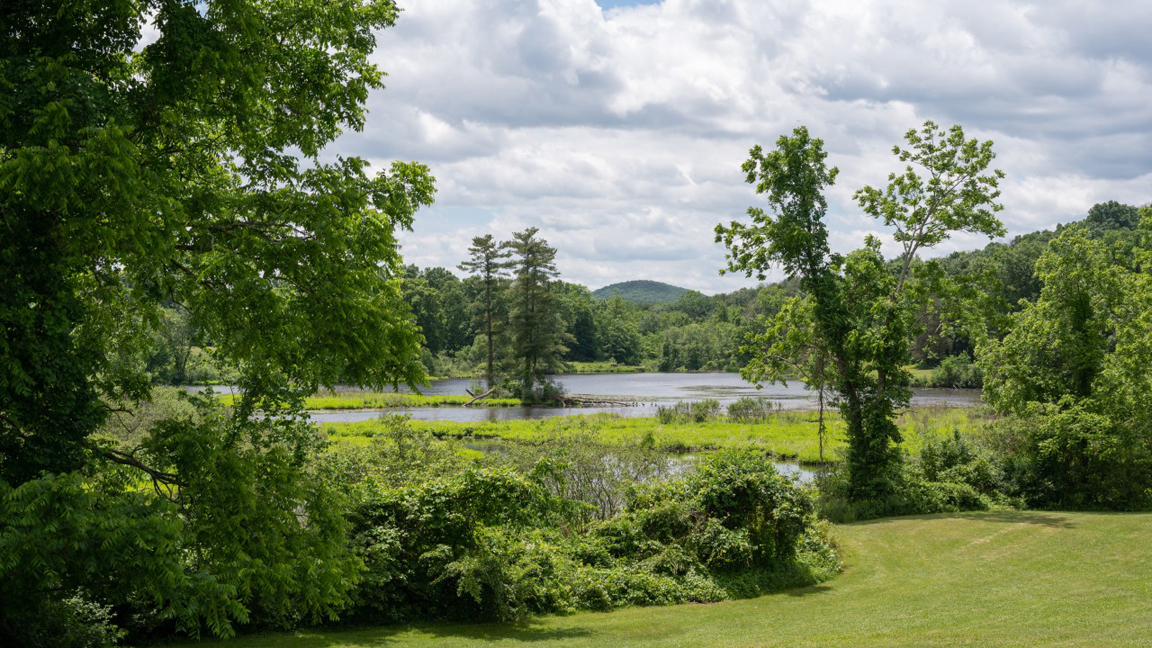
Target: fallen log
<point>476,398</point>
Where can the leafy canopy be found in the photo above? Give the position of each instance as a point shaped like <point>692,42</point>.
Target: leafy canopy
<point>188,173</point>
<point>862,315</point>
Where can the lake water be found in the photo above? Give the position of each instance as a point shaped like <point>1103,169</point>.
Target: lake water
<point>645,392</point>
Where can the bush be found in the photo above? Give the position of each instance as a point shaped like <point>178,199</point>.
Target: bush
<point>914,494</point>
<point>72,622</point>
<point>437,548</point>
<point>1065,456</point>
<point>394,457</point>
<point>953,459</point>
<point>488,543</point>
<point>750,410</point>
<point>957,372</point>
<point>581,467</point>
<point>689,412</point>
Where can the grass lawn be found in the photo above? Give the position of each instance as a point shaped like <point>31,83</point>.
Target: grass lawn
<point>978,579</point>
<point>785,434</point>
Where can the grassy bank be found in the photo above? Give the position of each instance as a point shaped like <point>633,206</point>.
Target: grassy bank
<point>786,434</point>
<point>979,579</point>
<point>601,367</point>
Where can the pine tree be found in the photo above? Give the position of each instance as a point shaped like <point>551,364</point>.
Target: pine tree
<point>488,262</point>
<point>537,330</point>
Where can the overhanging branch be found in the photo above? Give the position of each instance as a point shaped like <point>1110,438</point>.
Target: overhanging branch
<point>127,459</point>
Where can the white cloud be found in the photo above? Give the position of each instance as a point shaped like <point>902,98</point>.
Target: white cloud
<point>620,133</point>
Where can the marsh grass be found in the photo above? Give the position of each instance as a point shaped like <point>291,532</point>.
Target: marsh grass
<point>787,435</point>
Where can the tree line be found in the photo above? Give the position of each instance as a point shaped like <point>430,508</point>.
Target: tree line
<point>455,309</point>
<point>716,333</point>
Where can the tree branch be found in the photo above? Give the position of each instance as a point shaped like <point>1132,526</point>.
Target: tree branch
<point>127,459</point>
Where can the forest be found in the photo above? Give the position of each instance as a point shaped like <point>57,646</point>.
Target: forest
<point>170,218</point>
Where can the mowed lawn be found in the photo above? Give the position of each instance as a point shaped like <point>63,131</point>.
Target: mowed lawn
<point>982,579</point>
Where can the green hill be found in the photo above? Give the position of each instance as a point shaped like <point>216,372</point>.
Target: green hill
<point>642,292</point>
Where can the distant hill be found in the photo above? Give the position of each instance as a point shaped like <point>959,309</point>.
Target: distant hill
<point>642,292</point>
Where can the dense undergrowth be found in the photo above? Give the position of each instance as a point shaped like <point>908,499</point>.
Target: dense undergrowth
<point>569,524</point>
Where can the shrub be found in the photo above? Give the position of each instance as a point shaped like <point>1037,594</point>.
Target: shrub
<point>914,494</point>
<point>429,544</point>
<point>750,410</point>
<point>953,459</point>
<point>1066,456</point>
<point>487,543</point>
<point>581,467</point>
<point>689,412</point>
<point>72,622</point>
<point>957,372</point>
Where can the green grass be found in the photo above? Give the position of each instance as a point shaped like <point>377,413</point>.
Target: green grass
<point>977,579</point>
<point>790,435</point>
<point>919,376</point>
<point>601,367</point>
<point>385,400</point>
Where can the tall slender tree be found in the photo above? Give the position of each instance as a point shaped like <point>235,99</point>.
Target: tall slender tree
<point>864,312</point>
<point>489,262</point>
<point>537,329</point>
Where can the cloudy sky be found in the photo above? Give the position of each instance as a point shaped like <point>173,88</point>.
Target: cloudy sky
<point>619,128</point>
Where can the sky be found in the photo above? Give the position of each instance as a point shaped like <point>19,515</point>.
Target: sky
<point>618,129</point>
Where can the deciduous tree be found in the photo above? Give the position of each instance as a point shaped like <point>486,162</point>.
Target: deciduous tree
<point>864,313</point>
<point>188,170</point>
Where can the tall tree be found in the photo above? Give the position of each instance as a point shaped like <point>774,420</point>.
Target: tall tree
<point>537,329</point>
<point>187,170</point>
<point>488,262</point>
<point>1075,371</point>
<point>864,312</point>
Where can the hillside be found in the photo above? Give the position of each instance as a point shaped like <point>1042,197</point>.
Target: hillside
<point>1002,578</point>
<point>642,292</point>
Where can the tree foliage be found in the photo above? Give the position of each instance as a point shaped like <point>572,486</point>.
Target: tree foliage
<point>1074,371</point>
<point>537,331</point>
<point>488,263</point>
<point>187,172</point>
<point>863,313</point>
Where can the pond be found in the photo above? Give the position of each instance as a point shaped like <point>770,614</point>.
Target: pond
<point>646,391</point>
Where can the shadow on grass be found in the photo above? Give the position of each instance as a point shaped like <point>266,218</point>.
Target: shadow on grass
<point>1039,518</point>
<point>526,632</point>
<point>806,591</point>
